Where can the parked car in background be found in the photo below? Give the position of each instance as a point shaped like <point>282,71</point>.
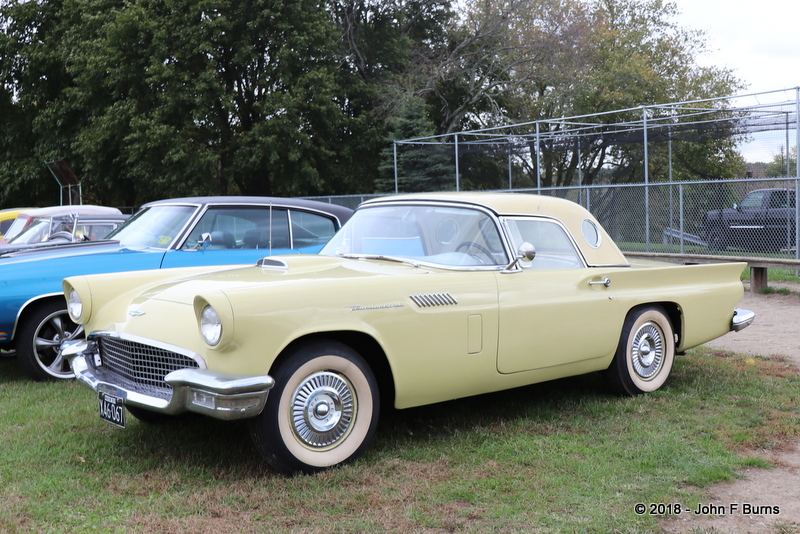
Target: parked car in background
<point>59,229</point>
<point>54,216</point>
<point>7,217</point>
<point>765,220</point>
<point>167,233</point>
<point>417,299</point>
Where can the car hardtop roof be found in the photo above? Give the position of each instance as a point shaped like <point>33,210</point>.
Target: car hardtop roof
<point>80,209</point>
<point>83,217</point>
<point>335,209</point>
<point>570,214</point>
<point>505,203</point>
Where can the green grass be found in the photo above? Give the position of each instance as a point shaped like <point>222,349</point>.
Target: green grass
<point>563,456</point>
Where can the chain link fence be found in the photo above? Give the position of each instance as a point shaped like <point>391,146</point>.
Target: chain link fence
<point>748,217</point>
<point>705,177</point>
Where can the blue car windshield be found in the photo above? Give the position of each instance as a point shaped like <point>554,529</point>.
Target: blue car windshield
<point>156,226</point>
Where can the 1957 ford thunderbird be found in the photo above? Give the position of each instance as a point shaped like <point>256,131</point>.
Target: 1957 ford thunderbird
<point>417,299</point>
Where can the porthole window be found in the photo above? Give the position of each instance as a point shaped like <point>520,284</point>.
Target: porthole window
<point>447,231</point>
<point>591,233</point>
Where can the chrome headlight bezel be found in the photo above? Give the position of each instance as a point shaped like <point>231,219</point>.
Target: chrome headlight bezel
<point>214,317</point>
<point>78,299</point>
<point>210,325</point>
<point>74,305</point>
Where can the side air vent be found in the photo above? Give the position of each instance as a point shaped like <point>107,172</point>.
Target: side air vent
<point>433,299</point>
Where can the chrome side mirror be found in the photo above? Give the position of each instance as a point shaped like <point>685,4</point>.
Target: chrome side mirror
<point>526,252</point>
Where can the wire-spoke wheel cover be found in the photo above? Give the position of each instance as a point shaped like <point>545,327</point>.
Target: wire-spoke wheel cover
<point>322,410</point>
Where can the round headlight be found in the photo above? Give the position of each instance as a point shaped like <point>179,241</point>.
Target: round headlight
<point>74,305</point>
<point>210,326</point>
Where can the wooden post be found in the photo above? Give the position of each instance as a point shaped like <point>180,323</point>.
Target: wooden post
<point>758,279</point>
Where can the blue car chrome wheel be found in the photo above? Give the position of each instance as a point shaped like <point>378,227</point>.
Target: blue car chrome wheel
<point>39,341</point>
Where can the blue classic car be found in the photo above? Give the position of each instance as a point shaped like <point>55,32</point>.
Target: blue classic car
<point>167,233</point>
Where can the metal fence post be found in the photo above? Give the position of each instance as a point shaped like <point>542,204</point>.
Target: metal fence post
<point>680,211</point>
<point>394,150</point>
<point>456,156</point>
<point>646,183</point>
<point>538,160</point>
<point>796,175</point>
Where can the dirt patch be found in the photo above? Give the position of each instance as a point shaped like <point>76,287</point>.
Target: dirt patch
<point>771,496</point>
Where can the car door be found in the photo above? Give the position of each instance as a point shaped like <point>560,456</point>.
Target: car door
<point>554,310</point>
<point>747,222</point>
<point>780,219</point>
<point>244,234</point>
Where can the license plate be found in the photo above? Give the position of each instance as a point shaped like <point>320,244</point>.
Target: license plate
<point>112,410</point>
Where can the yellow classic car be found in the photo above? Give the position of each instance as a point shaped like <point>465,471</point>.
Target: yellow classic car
<point>417,299</point>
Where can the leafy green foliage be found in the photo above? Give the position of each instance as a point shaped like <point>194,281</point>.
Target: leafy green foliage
<point>158,98</point>
<point>781,166</point>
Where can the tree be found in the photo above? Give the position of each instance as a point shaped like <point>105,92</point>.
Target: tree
<point>600,57</point>
<point>501,53</point>
<point>781,165</point>
<point>422,167</point>
<point>182,97</point>
<point>32,75</point>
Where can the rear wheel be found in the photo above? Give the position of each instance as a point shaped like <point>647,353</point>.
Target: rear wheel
<point>322,412</point>
<point>645,353</point>
<point>41,333</point>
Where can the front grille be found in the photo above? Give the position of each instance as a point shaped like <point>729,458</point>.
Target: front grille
<point>141,367</point>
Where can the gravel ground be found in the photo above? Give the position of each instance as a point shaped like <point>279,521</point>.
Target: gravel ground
<point>775,332</point>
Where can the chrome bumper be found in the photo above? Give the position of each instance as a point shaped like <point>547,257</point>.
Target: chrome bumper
<point>217,395</point>
<point>741,319</point>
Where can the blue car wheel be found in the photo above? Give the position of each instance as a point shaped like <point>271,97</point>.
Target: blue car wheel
<point>41,332</point>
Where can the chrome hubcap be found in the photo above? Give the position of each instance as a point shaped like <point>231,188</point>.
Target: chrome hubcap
<point>322,410</point>
<point>56,329</point>
<point>647,350</point>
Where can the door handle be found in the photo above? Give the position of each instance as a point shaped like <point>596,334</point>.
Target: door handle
<point>606,281</point>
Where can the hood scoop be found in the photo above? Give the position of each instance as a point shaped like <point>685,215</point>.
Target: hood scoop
<point>272,263</point>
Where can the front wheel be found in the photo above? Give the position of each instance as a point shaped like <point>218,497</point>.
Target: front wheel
<point>322,411</point>
<point>645,353</point>
<point>41,333</point>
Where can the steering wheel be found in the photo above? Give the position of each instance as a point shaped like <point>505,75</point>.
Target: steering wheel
<point>469,245</point>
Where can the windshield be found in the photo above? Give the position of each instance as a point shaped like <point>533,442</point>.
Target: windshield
<point>37,232</point>
<point>436,234</point>
<point>156,226</point>
<point>17,226</point>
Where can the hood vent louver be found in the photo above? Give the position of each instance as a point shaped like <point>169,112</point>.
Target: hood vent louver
<point>433,299</point>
